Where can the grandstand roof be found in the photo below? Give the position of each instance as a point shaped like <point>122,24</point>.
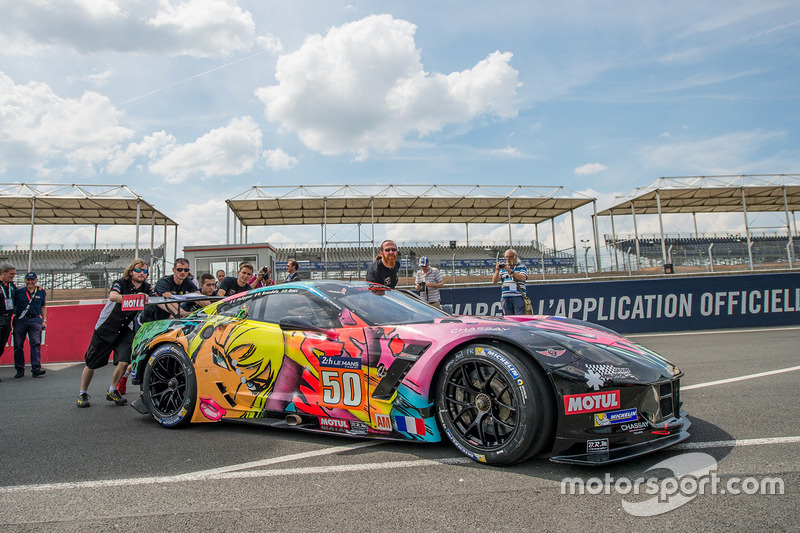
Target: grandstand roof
<point>712,194</point>
<point>76,204</point>
<point>279,205</point>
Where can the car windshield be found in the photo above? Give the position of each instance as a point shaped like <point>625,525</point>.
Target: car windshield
<point>383,307</point>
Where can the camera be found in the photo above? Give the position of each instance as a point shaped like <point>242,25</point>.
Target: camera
<point>265,271</point>
<point>422,284</point>
<point>501,265</point>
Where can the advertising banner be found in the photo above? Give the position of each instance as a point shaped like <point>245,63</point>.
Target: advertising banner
<point>663,304</point>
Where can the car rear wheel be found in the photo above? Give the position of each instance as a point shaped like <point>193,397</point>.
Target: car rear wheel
<point>495,406</point>
<point>169,386</point>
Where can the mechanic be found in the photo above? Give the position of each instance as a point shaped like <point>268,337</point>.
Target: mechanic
<point>207,287</point>
<point>114,332</point>
<point>292,267</point>
<point>30,319</point>
<point>167,286</point>
<point>244,281</point>
<point>220,277</point>
<point>384,270</point>
<point>428,282</point>
<point>7,274</point>
<point>513,273</point>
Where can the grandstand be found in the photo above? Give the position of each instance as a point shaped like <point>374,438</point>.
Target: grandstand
<point>78,268</point>
<point>728,249</point>
<point>349,262</point>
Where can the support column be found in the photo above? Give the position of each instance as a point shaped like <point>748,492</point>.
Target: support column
<point>508,211</point>
<point>138,216</point>
<point>574,239</point>
<point>747,229</point>
<point>614,243</point>
<point>30,248</point>
<point>598,266</point>
<point>636,237</point>
<point>661,229</point>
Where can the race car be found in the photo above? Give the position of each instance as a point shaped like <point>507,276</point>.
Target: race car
<point>366,361</point>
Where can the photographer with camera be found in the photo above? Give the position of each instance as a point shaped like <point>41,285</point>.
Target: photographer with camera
<point>262,279</point>
<point>244,281</point>
<point>428,282</point>
<point>514,275</point>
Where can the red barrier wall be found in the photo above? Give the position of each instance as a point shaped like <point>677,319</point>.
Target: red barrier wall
<point>69,330</point>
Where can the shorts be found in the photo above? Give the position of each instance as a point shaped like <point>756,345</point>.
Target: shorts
<point>100,348</point>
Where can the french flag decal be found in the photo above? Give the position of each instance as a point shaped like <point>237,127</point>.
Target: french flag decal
<point>408,424</point>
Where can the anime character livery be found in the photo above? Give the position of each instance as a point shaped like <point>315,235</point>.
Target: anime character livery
<point>363,360</point>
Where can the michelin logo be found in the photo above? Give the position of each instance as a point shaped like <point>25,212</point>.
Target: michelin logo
<point>615,417</point>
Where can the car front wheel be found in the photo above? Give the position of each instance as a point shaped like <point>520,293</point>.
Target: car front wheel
<point>169,386</point>
<point>495,406</point>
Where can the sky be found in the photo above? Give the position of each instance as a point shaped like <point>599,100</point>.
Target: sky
<point>192,102</point>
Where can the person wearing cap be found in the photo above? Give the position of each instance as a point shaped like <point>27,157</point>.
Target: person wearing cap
<point>30,318</point>
<point>7,274</point>
<point>428,282</point>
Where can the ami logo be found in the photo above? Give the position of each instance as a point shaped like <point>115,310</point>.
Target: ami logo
<point>133,302</point>
<point>592,402</point>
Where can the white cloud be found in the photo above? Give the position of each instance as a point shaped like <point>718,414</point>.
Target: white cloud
<point>507,152</point>
<point>362,88</point>
<point>227,151</point>
<point>734,153</point>
<point>590,168</point>
<point>190,27</point>
<point>37,127</point>
<point>152,147</point>
<point>279,160</point>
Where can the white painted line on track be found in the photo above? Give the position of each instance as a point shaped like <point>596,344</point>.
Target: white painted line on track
<point>740,378</point>
<point>737,442</point>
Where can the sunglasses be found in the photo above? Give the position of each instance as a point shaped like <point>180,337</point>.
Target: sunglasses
<point>182,269</point>
<point>390,249</point>
<point>141,270</point>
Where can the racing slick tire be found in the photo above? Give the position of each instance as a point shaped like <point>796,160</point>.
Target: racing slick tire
<point>169,386</point>
<point>494,405</point>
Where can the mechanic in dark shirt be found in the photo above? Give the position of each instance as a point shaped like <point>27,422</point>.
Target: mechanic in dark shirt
<point>384,269</point>
<point>168,286</point>
<point>7,274</point>
<point>114,332</point>
<point>241,283</point>
<point>207,287</point>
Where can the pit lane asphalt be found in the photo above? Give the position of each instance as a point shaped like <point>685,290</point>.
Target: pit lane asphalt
<point>107,467</point>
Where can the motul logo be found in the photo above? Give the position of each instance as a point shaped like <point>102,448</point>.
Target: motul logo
<point>593,402</point>
<point>133,302</point>
<point>333,423</point>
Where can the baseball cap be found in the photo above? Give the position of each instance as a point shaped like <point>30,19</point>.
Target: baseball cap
<point>423,261</point>
<point>31,275</point>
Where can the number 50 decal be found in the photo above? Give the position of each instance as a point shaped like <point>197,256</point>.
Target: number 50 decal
<point>341,389</point>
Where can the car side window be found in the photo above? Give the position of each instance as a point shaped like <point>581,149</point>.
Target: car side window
<point>282,304</point>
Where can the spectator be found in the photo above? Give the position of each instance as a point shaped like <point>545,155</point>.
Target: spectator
<point>7,275</point>
<point>207,287</point>
<point>292,267</point>
<point>30,318</point>
<point>384,270</point>
<point>513,275</point>
<point>220,277</point>
<point>264,281</point>
<point>244,281</point>
<point>428,282</point>
<point>167,286</point>
<point>114,332</point>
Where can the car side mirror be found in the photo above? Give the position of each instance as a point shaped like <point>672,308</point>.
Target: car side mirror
<point>447,308</point>
<point>298,323</point>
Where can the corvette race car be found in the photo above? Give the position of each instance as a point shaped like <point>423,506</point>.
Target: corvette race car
<point>366,361</point>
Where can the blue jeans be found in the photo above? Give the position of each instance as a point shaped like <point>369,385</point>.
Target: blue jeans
<point>512,305</point>
<point>32,328</point>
